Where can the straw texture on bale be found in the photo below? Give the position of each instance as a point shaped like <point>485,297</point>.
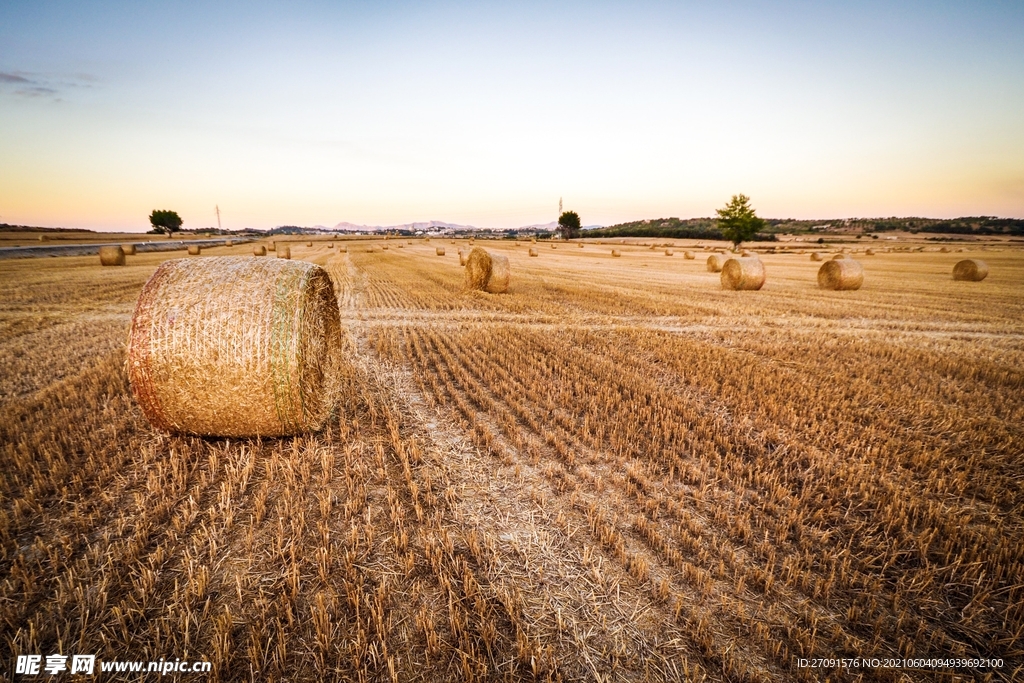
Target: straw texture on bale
<point>715,263</point>
<point>616,253</point>
<point>111,256</point>
<point>487,272</point>
<point>194,250</point>
<point>284,252</point>
<point>230,346</point>
<point>439,251</point>
<point>816,256</point>
<point>971,270</point>
<point>841,274</point>
<point>743,273</point>
<point>688,255</point>
<point>128,249</point>
<point>259,250</point>
<point>533,252</point>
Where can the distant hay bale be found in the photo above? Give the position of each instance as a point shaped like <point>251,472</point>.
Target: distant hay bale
<point>330,245</point>
<point>462,258</point>
<point>272,246</point>
<point>259,250</point>
<point>234,346</point>
<point>840,257</point>
<point>487,272</point>
<point>816,256</point>
<point>688,255</point>
<point>309,244</point>
<point>841,274</point>
<point>44,238</point>
<point>385,247</point>
<point>743,273</point>
<point>229,243</point>
<point>746,254</point>
<point>533,240</point>
<point>343,249</point>
<point>715,263</point>
<point>284,252</point>
<point>111,256</point>
<point>194,250</point>
<point>616,253</point>
<point>580,245</point>
<point>533,252</point>
<point>128,249</point>
<point>869,252</point>
<point>668,252</point>
<point>944,250</point>
<point>970,270</point>
<point>553,246</point>
<point>439,251</point>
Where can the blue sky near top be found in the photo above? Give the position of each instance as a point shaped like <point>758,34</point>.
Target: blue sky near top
<point>486,113</point>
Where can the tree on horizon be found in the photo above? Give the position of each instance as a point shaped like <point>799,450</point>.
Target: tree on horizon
<point>737,220</point>
<point>569,225</point>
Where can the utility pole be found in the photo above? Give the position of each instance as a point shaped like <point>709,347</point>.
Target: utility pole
<point>559,207</point>
<point>217,208</point>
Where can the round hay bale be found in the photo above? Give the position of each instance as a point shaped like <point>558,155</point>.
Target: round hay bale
<point>385,247</point>
<point>970,270</point>
<point>343,249</point>
<point>553,246</point>
<point>44,238</point>
<point>745,254</point>
<point>284,252</point>
<point>229,243</point>
<point>272,246</point>
<point>715,263</point>
<point>111,256</point>
<point>462,258</point>
<point>194,250</point>
<point>668,252</point>
<point>309,244</point>
<point>841,274</point>
<point>487,272</point>
<point>259,250</point>
<point>743,273</point>
<point>533,240</point>
<point>128,249</point>
<point>688,255</point>
<point>230,346</point>
<point>840,257</point>
<point>616,253</point>
<point>439,251</point>
<point>944,250</point>
<point>869,252</point>
<point>580,245</point>
<point>330,245</point>
<point>816,256</point>
<point>533,252</point>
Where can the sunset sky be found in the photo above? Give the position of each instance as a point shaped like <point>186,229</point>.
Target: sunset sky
<point>486,113</point>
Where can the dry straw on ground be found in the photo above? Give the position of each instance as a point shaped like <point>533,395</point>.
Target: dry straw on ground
<point>259,250</point>
<point>128,249</point>
<point>841,274</point>
<point>230,346</point>
<point>743,273</point>
<point>439,251</point>
<point>284,252</point>
<point>715,263</point>
<point>111,256</point>
<point>487,272</point>
<point>971,270</point>
<point>194,250</point>
<point>533,252</point>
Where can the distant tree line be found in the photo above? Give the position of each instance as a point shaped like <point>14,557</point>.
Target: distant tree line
<point>674,228</point>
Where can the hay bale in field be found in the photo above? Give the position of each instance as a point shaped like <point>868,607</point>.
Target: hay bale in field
<point>439,251</point>
<point>234,346</point>
<point>194,250</point>
<point>272,246</point>
<point>580,245</point>
<point>533,252</point>
<point>128,249</point>
<point>284,252</point>
<point>869,252</point>
<point>970,270</point>
<point>44,238</point>
<point>385,247</point>
<point>841,274</point>
<point>616,253</point>
<point>840,257</point>
<point>259,250</point>
<point>343,249</point>
<point>688,255</point>
<point>309,244</point>
<point>743,273</point>
<point>487,272</point>
<point>944,250</point>
<point>111,256</point>
<point>553,246</point>
<point>816,256</point>
<point>668,252</point>
<point>533,240</point>
<point>229,243</point>
<point>462,258</point>
<point>330,245</point>
<point>715,263</point>
<point>746,254</point>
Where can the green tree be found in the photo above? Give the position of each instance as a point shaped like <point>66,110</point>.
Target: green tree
<point>569,225</point>
<point>737,220</point>
<point>164,221</point>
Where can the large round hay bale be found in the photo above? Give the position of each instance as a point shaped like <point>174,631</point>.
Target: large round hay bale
<point>533,252</point>
<point>259,250</point>
<point>816,256</point>
<point>487,272</point>
<point>841,274</point>
<point>970,270</point>
<point>194,250</point>
<point>688,255</point>
<point>616,253</point>
<point>230,346</point>
<point>743,273</point>
<point>111,256</point>
<point>439,251</point>
<point>284,252</point>
<point>715,263</point>
<point>128,249</point>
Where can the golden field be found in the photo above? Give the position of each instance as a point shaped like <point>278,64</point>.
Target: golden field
<point>617,471</point>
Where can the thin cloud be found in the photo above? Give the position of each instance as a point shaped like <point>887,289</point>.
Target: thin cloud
<point>13,78</point>
<point>45,86</point>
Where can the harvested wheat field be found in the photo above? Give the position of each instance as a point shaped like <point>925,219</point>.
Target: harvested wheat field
<point>617,470</point>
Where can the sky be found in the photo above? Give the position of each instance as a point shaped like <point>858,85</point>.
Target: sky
<point>381,113</point>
